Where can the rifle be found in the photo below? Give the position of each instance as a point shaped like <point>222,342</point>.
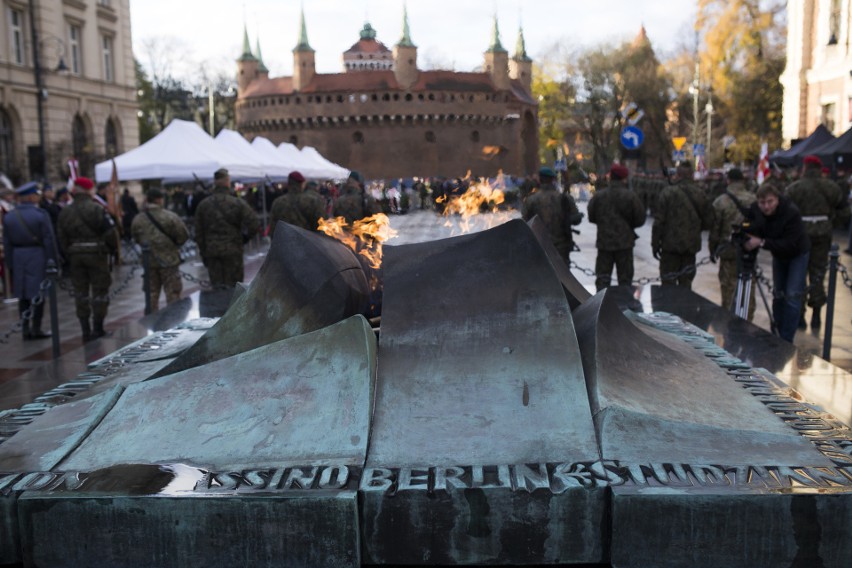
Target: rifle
<point>199,182</point>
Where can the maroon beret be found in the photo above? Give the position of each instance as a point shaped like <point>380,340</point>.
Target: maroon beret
<point>618,171</point>
<point>296,176</point>
<point>812,161</point>
<point>84,183</point>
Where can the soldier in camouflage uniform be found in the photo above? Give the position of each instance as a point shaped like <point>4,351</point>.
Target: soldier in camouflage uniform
<point>728,213</point>
<point>164,233</point>
<point>822,204</point>
<point>616,210</point>
<point>556,210</point>
<point>223,223</point>
<point>299,207</point>
<point>682,212</point>
<point>87,237</point>
<point>354,204</point>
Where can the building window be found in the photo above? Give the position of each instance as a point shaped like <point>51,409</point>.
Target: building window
<point>294,140</point>
<point>474,136</point>
<point>430,137</point>
<point>74,36</point>
<point>834,23</point>
<point>827,118</point>
<point>109,69</point>
<point>7,143</point>
<point>358,137</point>
<point>110,139</point>
<point>16,36</point>
<point>80,144</point>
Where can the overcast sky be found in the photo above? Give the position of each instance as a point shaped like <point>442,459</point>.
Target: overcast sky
<point>448,33</point>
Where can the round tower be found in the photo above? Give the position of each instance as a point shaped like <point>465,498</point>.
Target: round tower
<point>247,65</point>
<point>520,66</point>
<point>497,60</point>
<point>304,65</point>
<point>405,56</point>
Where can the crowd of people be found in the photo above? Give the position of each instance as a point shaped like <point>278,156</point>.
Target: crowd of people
<point>792,219</point>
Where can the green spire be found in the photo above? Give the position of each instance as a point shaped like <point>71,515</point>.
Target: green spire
<point>520,47</point>
<point>247,54</point>
<point>303,44</point>
<point>496,46</point>
<point>260,66</point>
<point>406,33</point>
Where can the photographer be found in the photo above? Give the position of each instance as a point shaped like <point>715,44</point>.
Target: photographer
<point>777,226</point>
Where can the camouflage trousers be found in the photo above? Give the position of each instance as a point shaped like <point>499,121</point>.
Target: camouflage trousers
<point>728,284</point>
<point>817,267</point>
<point>225,271</point>
<point>91,280</point>
<point>674,262</point>
<point>623,262</point>
<point>166,279</point>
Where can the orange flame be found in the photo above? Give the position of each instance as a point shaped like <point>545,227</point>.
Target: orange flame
<point>479,198</point>
<point>364,237</point>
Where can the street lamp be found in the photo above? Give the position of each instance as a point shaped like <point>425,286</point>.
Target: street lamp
<point>694,90</point>
<point>41,90</point>
<point>708,109</point>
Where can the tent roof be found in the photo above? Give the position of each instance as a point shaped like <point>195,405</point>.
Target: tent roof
<point>835,150</point>
<point>794,155</point>
<point>329,169</point>
<point>179,153</point>
<point>240,148</point>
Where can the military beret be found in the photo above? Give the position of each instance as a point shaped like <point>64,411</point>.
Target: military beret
<point>356,176</point>
<point>296,177</point>
<point>546,172</point>
<point>619,171</point>
<point>812,161</point>
<point>27,189</point>
<point>221,173</point>
<point>84,183</point>
<point>155,193</point>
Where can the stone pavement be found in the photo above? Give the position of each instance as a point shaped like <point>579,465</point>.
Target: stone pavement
<point>27,368</point>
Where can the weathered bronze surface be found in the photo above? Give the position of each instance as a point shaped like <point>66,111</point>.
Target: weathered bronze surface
<point>644,385</point>
<point>574,291</point>
<point>297,401</point>
<point>308,281</point>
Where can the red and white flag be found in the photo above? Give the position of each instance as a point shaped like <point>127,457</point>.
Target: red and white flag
<point>763,164</point>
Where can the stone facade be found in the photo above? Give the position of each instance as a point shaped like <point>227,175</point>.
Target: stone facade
<point>817,80</point>
<point>88,110</point>
<point>390,119</point>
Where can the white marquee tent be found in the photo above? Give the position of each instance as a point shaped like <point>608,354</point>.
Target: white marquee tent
<point>183,152</point>
<point>179,153</point>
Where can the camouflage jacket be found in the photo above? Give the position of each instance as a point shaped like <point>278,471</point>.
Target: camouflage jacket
<point>298,207</point>
<point>355,205</point>
<point>551,206</point>
<point>726,215</point>
<point>616,210</point>
<point>816,196</point>
<point>678,220</point>
<point>165,248</point>
<point>86,227</point>
<point>223,222</point>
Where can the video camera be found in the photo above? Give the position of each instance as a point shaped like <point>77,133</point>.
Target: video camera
<point>745,258</point>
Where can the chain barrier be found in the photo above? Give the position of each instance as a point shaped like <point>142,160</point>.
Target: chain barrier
<point>845,274</point>
<point>27,316</point>
<point>188,250</point>
<point>644,280</point>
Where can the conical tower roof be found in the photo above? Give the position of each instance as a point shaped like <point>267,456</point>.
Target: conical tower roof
<point>247,54</point>
<point>405,41</point>
<point>521,47</point>
<point>260,66</point>
<point>496,46</point>
<point>303,44</point>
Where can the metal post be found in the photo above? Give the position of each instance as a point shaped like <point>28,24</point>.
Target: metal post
<point>833,257</point>
<point>53,276</point>
<point>694,89</point>
<point>708,108</point>
<point>146,276</point>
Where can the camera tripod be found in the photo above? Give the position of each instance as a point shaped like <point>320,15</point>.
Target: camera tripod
<point>746,261</point>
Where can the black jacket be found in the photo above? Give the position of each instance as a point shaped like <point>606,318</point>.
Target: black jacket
<point>783,233</point>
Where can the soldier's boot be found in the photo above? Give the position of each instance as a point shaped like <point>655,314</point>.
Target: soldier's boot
<point>802,323</point>
<point>98,329</point>
<point>38,315</point>
<point>25,330</point>
<point>87,330</point>
<point>816,320</point>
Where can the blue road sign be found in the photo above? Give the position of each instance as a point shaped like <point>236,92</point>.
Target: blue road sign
<point>698,149</point>
<point>631,137</point>
<point>678,156</point>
